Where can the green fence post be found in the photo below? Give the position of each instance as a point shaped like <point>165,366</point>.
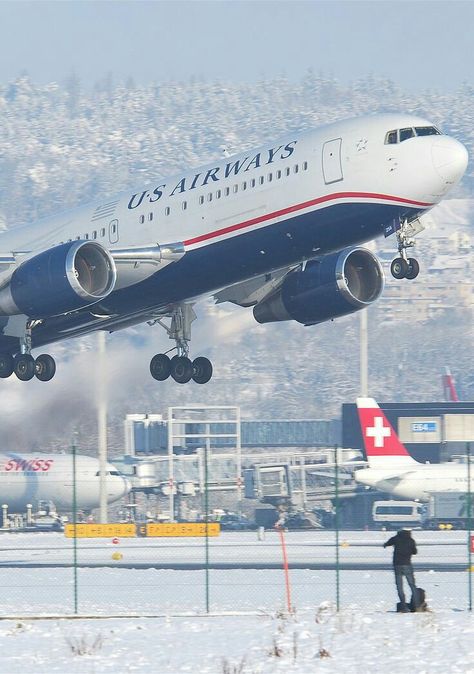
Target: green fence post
<point>74,522</point>
<point>336,506</point>
<point>469,514</point>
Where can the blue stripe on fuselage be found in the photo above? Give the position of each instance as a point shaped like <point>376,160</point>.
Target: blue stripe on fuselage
<point>204,270</point>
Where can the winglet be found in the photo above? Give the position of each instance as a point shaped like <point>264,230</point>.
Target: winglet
<point>382,445</point>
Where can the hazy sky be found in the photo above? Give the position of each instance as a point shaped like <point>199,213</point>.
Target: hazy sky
<point>419,44</point>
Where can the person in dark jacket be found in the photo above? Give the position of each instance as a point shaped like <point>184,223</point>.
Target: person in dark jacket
<point>404,547</point>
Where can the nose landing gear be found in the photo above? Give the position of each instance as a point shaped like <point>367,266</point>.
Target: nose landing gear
<point>180,367</point>
<point>404,266</point>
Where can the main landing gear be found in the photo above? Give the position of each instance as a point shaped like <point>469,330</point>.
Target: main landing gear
<point>404,266</point>
<point>180,367</point>
<point>24,366</point>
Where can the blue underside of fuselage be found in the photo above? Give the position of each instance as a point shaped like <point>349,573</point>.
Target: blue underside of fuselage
<point>217,265</point>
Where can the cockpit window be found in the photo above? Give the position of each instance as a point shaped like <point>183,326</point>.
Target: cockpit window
<point>108,472</point>
<point>405,134</point>
<point>427,131</point>
<point>399,135</point>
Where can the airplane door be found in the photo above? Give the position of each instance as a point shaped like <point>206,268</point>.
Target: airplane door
<point>332,166</point>
<point>113,231</point>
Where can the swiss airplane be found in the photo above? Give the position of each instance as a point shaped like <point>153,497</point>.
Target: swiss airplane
<point>392,469</point>
<point>278,228</point>
<point>29,478</point>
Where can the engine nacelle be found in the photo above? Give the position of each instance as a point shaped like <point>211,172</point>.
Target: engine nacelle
<point>331,286</point>
<point>64,278</point>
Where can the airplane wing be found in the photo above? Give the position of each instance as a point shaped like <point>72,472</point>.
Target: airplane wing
<point>250,292</point>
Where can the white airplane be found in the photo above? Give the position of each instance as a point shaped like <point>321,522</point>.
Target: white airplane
<point>29,478</point>
<point>392,469</point>
<point>277,228</point>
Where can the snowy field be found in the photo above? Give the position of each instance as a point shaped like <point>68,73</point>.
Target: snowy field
<point>154,619</point>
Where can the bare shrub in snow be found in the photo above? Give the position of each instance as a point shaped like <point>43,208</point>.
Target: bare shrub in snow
<point>83,646</point>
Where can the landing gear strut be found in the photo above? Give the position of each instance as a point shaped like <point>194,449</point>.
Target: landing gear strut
<point>404,266</point>
<point>24,365</point>
<point>180,367</point>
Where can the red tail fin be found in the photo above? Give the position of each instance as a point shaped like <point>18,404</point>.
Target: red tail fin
<point>382,446</point>
<point>449,388</point>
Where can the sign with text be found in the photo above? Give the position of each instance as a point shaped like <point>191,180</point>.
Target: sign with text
<point>183,529</point>
<point>85,530</point>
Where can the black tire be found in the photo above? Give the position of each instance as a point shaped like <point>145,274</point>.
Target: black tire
<point>413,268</point>
<point>399,268</point>
<point>24,366</point>
<point>45,367</point>
<point>160,367</point>
<point>6,365</point>
<point>202,370</point>
<point>181,369</point>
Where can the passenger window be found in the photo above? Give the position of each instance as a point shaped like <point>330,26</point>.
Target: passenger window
<point>142,219</point>
<point>218,194</point>
<point>391,138</point>
<point>261,180</point>
<point>167,210</point>
<point>278,175</point>
<point>287,171</point>
<point>184,205</point>
<point>94,234</point>
<point>114,229</point>
<point>150,216</point>
<point>405,134</point>
<point>296,168</point>
<point>227,191</point>
<point>102,231</point>
<point>209,196</point>
<point>253,182</point>
<point>244,185</point>
<point>235,189</point>
<point>270,177</point>
<point>201,199</point>
<point>305,166</point>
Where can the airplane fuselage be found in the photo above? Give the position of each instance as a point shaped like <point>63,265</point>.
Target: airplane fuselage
<point>418,481</point>
<point>247,215</point>
<point>29,478</point>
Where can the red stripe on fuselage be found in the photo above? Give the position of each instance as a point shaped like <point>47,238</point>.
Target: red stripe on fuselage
<point>298,207</point>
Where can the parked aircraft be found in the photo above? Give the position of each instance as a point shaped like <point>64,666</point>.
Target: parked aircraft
<point>278,228</point>
<point>392,469</point>
<point>29,478</point>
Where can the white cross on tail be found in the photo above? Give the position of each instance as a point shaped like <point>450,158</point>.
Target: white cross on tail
<point>378,431</point>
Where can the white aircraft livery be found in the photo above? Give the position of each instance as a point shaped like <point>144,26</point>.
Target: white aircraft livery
<point>278,228</point>
<point>29,478</point>
<point>392,469</point>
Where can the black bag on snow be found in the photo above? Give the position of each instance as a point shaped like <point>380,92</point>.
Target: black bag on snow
<point>418,604</point>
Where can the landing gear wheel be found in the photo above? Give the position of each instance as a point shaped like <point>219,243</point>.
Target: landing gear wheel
<point>160,367</point>
<point>399,268</point>
<point>6,365</point>
<point>45,367</point>
<point>202,370</point>
<point>24,366</point>
<point>413,268</point>
<point>181,369</point>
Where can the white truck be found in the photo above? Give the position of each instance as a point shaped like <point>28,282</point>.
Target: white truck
<point>397,514</point>
<point>449,510</point>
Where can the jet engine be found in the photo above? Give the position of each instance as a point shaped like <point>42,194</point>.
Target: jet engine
<point>328,287</point>
<point>67,277</point>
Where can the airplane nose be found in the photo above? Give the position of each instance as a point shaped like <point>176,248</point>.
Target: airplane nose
<point>449,158</point>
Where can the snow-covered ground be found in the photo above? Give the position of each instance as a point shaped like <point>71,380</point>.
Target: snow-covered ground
<point>163,626</point>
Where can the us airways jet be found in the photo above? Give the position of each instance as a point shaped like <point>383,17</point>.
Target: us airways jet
<point>277,228</point>
<point>392,469</point>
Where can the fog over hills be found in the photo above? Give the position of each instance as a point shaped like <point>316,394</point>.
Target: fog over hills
<point>61,146</point>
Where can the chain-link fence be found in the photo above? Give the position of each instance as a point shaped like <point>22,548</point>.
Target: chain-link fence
<point>146,568</point>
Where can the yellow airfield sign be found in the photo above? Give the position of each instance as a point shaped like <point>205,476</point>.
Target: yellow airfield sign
<point>167,529</point>
<point>183,529</point>
<point>101,530</point>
